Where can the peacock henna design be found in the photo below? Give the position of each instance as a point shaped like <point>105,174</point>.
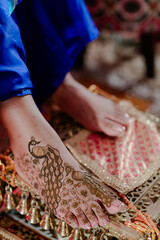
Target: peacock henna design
<point>51,171</point>
<point>75,175</point>
<point>64,188</point>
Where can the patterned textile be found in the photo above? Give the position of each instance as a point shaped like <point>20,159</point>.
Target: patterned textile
<point>123,163</point>
<point>139,15</point>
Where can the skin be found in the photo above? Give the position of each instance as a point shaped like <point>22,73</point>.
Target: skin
<point>24,125</point>
<point>94,112</point>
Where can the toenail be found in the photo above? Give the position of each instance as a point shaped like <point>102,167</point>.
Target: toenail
<point>121,129</point>
<point>94,224</point>
<point>105,222</point>
<point>87,226</point>
<point>118,204</point>
<point>127,118</point>
<point>121,205</point>
<point>105,225</point>
<point>126,115</point>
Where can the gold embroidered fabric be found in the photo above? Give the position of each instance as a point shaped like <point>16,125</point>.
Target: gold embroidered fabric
<point>125,162</point>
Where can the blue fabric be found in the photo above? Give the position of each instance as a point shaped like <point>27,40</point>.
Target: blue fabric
<point>12,4</point>
<point>53,33</point>
<point>14,75</point>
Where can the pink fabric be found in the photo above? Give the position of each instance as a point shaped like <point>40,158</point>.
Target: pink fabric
<point>124,162</point>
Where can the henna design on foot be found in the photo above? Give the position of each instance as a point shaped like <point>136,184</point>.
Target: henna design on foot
<point>52,171</point>
<point>92,183</point>
<point>68,191</point>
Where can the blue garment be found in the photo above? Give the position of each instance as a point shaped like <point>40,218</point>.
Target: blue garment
<point>53,33</point>
<point>14,75</point>
<point>12,5</point>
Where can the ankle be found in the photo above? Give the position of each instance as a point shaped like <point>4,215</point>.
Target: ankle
<point>70,89</point>
<point>18,115</point>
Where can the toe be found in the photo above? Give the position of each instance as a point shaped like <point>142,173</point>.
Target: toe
<point>71,219</point>
<point>119,115</point>
<point>83,221</point>
<point>100,214</point>
<point>115,207</point>
<point>111,128</point>
<point>91,217</point>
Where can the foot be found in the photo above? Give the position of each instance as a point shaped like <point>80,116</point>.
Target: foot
<point>94,112</point>
<point>42,161</point>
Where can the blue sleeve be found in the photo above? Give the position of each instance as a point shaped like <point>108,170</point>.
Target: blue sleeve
<point>53,32</point>
<point>14,75</point>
